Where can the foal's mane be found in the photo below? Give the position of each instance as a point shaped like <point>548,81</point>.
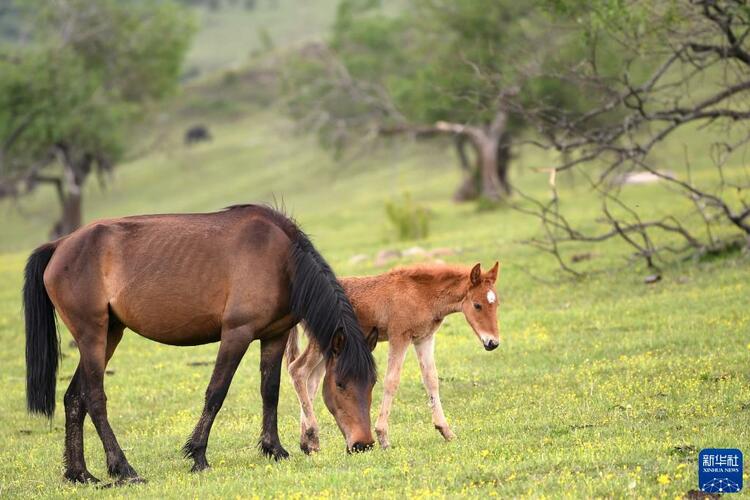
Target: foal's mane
<point>427,272</point>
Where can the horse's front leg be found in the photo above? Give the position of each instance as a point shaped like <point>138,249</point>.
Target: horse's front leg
<point>271,355</point>
<point>425,349</point>
<point>306,372</point>
<point>232,348</point>
<point>396,352</point>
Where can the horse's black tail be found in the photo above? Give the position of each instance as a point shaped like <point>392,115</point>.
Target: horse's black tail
<point>319,300</point>
<point>42,342</point>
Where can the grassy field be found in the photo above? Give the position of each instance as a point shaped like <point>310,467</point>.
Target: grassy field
<point>602,387</point>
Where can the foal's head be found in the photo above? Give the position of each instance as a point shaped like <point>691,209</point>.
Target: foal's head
<point>347,390</point>
<point>480,305</point>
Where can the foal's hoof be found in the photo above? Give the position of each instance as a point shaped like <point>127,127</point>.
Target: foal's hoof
<point>309,448</point>
<point>309,442</point>
<point>81,477</point>
<point>275,451</point>
<point>383,439</point>
<point>446,432</point>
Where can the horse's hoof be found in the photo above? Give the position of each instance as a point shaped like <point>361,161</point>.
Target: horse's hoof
<point>275,451</point>
<point>81,477</point>
<point>199,467</point>
<point>280,454</point>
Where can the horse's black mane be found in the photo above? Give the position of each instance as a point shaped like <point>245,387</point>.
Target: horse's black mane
<point>318,299</point>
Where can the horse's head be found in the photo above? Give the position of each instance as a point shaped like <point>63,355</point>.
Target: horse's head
<point>347,392</point>
<point>480,305</point>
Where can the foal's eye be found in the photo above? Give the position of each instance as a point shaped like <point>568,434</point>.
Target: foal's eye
<point>340,386</point>
<point>477,306</point>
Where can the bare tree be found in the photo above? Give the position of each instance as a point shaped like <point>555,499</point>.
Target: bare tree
<point>696,62</point>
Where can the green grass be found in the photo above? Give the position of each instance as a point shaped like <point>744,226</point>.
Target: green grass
<point>602,387</point>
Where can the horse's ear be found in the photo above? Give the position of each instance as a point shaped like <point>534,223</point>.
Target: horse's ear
<point>337,344</point>
<point>372,339</point>
<point>492,273</point>
<point>476,274</point>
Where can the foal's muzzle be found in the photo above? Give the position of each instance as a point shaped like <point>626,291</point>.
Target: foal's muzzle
<point>490,344</point>
<point>359,447</point>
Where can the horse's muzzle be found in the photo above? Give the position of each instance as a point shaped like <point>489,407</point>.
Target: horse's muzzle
<point>359,447</point>
<point>490,344</point>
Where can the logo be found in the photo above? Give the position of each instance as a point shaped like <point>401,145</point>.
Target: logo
<point>720,470</point>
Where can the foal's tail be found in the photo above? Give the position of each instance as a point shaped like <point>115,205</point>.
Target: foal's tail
<point>319,300</point>
<point>42,342</point>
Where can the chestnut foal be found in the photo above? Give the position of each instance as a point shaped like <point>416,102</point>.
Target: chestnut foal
<point>405,305</point>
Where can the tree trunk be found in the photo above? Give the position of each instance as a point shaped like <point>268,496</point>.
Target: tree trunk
<point>70,218</point>
<point>503,162</point>
<point>488,177</point>
<point>70,197</point>
<point>469,188</point>
<point>488,165</point>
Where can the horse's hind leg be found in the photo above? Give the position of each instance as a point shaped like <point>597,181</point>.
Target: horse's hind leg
<point>271,355</point>
<point>231,350</point>
<point>93,344</point>
<point>75,413</point>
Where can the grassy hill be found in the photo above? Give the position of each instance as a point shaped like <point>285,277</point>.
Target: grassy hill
<point>598,390</point>
<point>229,36</point>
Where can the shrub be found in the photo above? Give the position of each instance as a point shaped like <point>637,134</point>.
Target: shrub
<point>410,220</point>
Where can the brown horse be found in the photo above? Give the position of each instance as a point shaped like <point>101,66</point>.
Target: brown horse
<point>406,305</point>
<point>246,273</point>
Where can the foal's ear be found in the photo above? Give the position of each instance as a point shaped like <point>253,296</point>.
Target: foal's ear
<point>476,274</point>
<point>372,339</point>
<point>337,344</point>
<point>492,273</point>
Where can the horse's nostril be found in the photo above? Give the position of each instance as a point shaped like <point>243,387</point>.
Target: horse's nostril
<point>360,447</point>
<point>491,345</point>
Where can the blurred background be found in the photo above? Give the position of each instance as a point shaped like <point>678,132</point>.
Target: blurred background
<point>615,124</point>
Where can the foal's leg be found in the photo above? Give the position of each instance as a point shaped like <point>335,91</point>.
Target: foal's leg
<point>93,344</point>
<point>305,372</point>
<point>425,349</point>
<point>271,355</point>
<point>396,353</point>
<point>75,413</point>
<point>232,348</point>
<point>313,430</point>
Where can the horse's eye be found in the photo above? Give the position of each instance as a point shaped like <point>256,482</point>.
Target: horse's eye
<point>477,306</point>
<point>340,386</point>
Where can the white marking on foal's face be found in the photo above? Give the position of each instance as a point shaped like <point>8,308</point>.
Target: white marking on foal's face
<point>491,297</point>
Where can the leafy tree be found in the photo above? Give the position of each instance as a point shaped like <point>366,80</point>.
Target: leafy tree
<point>68,99</point>
<point>438,67</point>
